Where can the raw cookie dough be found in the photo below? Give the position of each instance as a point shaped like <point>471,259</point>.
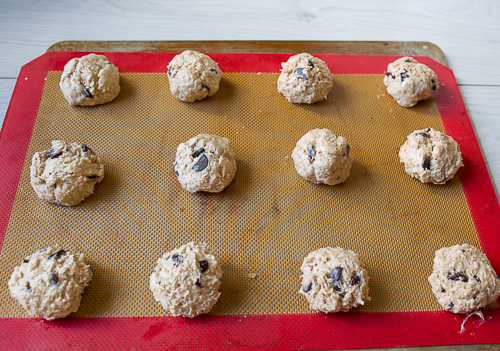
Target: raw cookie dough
<point>408,81</point>
<point>205,163</point>
<point>305,79</point>
<point>333,280</point>
<point>186,280</point>
<point>193,76</point>
<point>322,157</point>
<point>430,156</point>
<point>463,280</point>
<point>66,174</point>
<point>90,80</point>
<point>49,283</point>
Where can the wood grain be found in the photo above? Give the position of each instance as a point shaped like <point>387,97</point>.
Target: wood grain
<point>313,47</point>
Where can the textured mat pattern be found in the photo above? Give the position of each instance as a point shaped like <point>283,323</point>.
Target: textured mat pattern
<point>265,222</point>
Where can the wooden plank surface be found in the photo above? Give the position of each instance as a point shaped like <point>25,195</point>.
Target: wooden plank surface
<point>411,48</point>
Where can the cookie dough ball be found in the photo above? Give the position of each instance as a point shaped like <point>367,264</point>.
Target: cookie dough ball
<point>186,280</point>
<point>408,81</point>
<point>193,76</point>
<point>90,80</point>
<point>430,156</point>
<point>65,174</point>
<point>322,157</point>
<point>305,79</point>
<point>333,280</point>
<point>205,163</point>
<point>49,283</point>
<point>463,280</point>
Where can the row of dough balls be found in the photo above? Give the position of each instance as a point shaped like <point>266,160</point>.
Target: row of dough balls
<point>67,173</point>
<point>49,283</point>
<point>304,79</point>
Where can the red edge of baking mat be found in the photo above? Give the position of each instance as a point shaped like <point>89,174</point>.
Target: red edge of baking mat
<point>278,331</point>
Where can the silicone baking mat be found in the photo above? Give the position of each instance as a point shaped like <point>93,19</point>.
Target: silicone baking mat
<point>263,225</point>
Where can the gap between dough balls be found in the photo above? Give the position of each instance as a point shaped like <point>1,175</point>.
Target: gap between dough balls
<point>322,157</point>
<point>193,76</point>
<point>205,163</point>
<point>90,80</point>
<point>305,79</point>
<point>66,173</point>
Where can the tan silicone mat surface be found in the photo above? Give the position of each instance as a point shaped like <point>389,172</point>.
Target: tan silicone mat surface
<point>265,222</point>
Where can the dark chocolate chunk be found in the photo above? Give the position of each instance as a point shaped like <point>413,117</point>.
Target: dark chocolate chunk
<point>53,278</point>
<point>443,290</point>
<point>26,260</point>
<point>434,87</point>
<point>428,130</point>
<point>204,86</point>
<point>427,162</point>
<point>198,282</point>
<point>310,63</point>
<point>198,152</point>
<point>169,72</point>
<point>354,280</point>
<point>311,152</point>
<point>458,276</point>
<point>338,289</point>
<point>52,154</point>
<point>93,176</point>
<point>87,93</point>
<point>299,72</point>
<point>213,70</point>
<point>335,274</point>
<point>177,258</point>
<point>306,287</point>
<point>477,278</point>
<point>203,266</point>
<point>167,257</point>
<point>389,74</point>
<point>159,282</point>
<point>404,75</point>
<point>85,148</point>
<point>407,60</point>
<point>450,306</point>
<point>57,255</point>
<point>175,170</point>
<point>201,164</point>
<point>425,135</point>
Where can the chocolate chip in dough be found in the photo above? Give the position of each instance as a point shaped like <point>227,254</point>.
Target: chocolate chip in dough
<point>198,152</point>
<point>458,276</point>
<point>427,162</point>
<point>306,287</point>
<point>87,93</point>
<point>52,154</point>
<point>299,72</point>
<point>354,280</point>
<point>57,255</point>
<point>203,266</point>
<point>53,278</point>
<point>198,282</point>
<point>177,258</point>
<point>201,164</point>
<point>335,274</point>
<point>311,152</point>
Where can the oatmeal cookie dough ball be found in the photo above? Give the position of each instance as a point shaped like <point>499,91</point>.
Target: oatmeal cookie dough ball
<point>305,79</point>
<point>49,283</point>
<point>430,156</point>
<point>65,174</point>
<point>205,163</point>
<point>463,280</point>
<point>186,280</point>
<point>322,157</point>
<point>408,81</point>
<point>90,80</point>
<point>333,280</point>
<point>193,76</point>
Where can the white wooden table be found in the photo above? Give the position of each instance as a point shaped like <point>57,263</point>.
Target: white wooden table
<point>467,31</point>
